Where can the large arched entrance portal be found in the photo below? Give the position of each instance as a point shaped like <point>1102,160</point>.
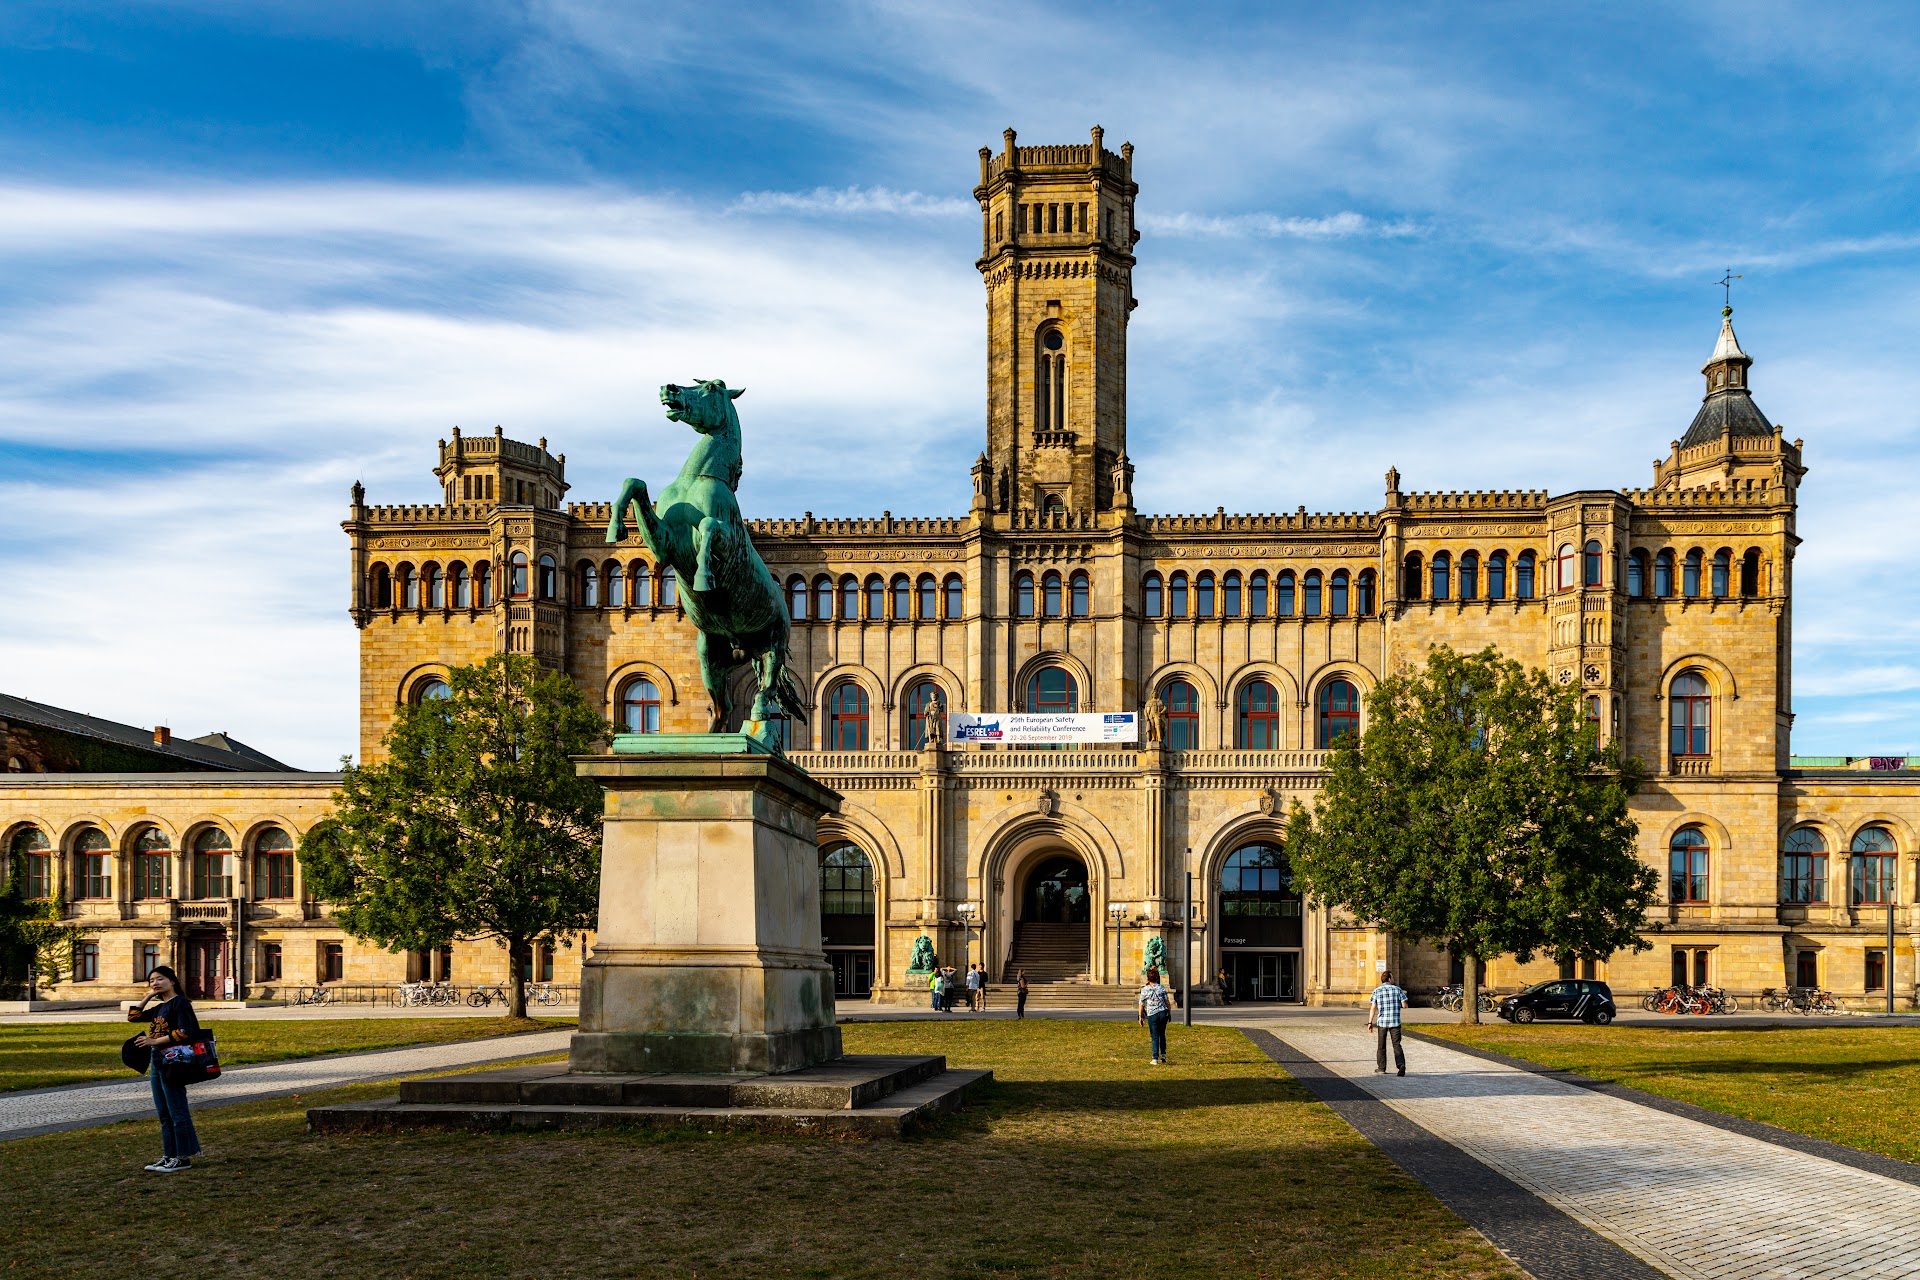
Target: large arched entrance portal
<point>847,918</point>
<point>1260,924</point>
<point>1053,929</point>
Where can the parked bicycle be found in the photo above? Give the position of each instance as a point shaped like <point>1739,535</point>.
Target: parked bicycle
<point>313,995</point>
<point>542,993</point>
<point>1454,998</point>
<point>424,993</point>
<point>482,996</point>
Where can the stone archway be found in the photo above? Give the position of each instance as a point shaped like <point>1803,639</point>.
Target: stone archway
<point>1053,919</point>
<point>1056,891</point>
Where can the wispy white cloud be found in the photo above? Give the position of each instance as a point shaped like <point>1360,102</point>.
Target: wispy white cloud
<point>1337,226</point>
<point>854,200</point>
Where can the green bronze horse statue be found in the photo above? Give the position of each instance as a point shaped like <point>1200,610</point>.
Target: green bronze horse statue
<point>731,599</point>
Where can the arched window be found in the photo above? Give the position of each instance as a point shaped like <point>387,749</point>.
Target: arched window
<point>903,598</point>
<point>1257,882</point>
<point>93,865</point>
<point>1283,605</point>
<point>1691,708</point>
<point>462,587</point>
<point>1803,866</point>
<point>1339,712</point>
<point>1875,868</point>
<point>1337,594</point>
<point>1687,866</point>
<point>1442,575</point>
<point>549,588</point>
<point>1050,598</point>
<point>1023,594</point>
<point>642,585</point>
<point>1080,594</point>
<point>1637,574</point>
<point>1183,715</point>
<point>436,593</point>
<point>1363,594</point>
<point>589,586</point>
<point>483,583</point>
<point>847,717</point>
<point>1410,584</point>
<point>1523,576</point>
<point>956,598</point>
<point>409,587</point>
<point>1497,576</point>
<point>640,706</point>
<point>876,599</point>
<point>1750,572</point>
<point>1470,575</point>
<point>1258,725</point>
<point>152,864</point>
<point>929,591</point>
<point>919,698</point>
<point>1203,595</point>
<point>1177,596</point>
<point>823,598</point>
<point>432,689</point>
<point>669,588</point>
<point>1152,598</point>
<point>379,588</point>
<point>797,598</point>
<point>1690,575</point>
<point>273,864</point>
<point>1310,594</point>
<point>1050,380</point>
<point>31,845</point>
<point>212,864</point>
<point>1052,689</point>
<point>1568,577</point>
<point>1592,571</point>
<point>517,576</point>
<point>1230,595</point>
<point>1663,574</point>
<point>1257,594</point>
<point>849,599</point>
<point>846,881</point>
<point>1722,573</point>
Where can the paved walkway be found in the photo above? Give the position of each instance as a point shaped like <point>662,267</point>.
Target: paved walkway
<point>1691,1199</point>
<point>77,1106</point>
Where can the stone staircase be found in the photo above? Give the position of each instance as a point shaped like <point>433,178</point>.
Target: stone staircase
<point>1060,995</point>
<point>1049,953</point>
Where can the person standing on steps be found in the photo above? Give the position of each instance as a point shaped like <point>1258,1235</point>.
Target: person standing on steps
<point>976,988</point>
<point>1156,1008</point>
<point>1020,996</point>
<point>1383,1019</point>
<point>170,1022</point>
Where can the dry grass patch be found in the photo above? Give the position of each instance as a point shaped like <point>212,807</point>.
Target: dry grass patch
<point>34,1056</point>
<point>1858,1086</point>
<point>1082,1160</point>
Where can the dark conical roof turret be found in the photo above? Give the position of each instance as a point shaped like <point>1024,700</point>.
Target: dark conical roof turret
<point>1728,408</point>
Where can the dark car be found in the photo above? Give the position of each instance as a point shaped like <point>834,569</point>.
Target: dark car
<point>1580,998</point>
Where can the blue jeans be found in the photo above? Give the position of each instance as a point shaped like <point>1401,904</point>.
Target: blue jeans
<point>177,1137</point>
<point>1157,1028</point>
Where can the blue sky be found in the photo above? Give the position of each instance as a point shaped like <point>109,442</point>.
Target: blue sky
<point>251,253</point>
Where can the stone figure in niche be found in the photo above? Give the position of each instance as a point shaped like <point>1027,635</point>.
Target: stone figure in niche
<point>922,960</point>
<point>934,717</point>
<point>739,614</point>
<point>1156,957</point>
<point>1155,717</point>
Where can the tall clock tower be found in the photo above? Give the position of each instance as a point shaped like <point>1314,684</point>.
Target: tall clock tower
<point>1057,237</point>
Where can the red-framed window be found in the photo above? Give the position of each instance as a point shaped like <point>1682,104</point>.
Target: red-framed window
<point>1183,715</point>
<point>273,865</point>
<point>1052,689</point>
<point>516,576</point>
<point>152,865</point>
<point>1803,866</point>
<point>847,718</point>
<point>1257,726</point>
<point>1874,866</point>
<point>212,864</point>
<point>1687,866</point>
<point>94,862</point>
<point>1593,565</point>
<point>32,846</point>
<point>919,698</point>
<point>1690,706</point>
<point>1339,712</point>
<point>640,706</point>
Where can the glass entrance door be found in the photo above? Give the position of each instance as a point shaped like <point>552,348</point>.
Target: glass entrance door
<point>1262,975</point>
<point>852,974</point>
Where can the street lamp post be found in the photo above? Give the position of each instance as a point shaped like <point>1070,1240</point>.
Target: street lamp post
<point>1118,911</point>
<point>1186,938</point>
<point>969,916</point>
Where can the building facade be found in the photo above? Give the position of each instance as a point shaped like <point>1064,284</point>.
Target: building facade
<point>1253,638</point>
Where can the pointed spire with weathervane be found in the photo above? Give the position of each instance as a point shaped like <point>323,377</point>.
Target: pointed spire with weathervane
<point>1728,409</point>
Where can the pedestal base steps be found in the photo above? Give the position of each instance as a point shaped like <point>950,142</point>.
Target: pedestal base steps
<point>866,1096</point>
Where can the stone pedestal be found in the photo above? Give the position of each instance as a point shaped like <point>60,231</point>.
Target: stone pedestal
<point>707,958</point>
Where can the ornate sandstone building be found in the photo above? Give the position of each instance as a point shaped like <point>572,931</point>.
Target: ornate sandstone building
<point>1253,639</point>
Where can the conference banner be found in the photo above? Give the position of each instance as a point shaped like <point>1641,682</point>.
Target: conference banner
<point>1042,727</point>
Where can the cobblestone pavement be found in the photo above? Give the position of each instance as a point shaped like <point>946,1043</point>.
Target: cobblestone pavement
<point>77,1106</point>
<point>1690,1199</point>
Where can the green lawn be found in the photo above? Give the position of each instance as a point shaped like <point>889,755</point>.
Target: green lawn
<point>1853,1085</point>
<point>35,1056</point>
<point>1081,1160</point>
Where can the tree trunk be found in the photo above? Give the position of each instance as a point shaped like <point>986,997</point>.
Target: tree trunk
<point>516,987</point>
<point>1470,992</point>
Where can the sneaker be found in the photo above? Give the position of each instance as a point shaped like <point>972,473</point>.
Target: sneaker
<point>1403,1071</point>
<point>1153,1062</point>
<point>160,1165</point>
<point>174,1165</point>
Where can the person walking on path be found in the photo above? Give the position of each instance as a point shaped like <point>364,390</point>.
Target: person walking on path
<point>170,1022</point>
<point>974,977</point>
<point>1383,1019</point>
<point>1020,996</point>
<point>1155,1011</point>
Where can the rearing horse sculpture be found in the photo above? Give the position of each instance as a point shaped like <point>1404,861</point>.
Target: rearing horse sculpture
<point>731,599</point>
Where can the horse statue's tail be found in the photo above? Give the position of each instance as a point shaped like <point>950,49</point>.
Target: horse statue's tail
<point>792,698</point>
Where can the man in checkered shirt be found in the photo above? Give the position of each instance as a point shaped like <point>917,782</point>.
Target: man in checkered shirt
<point>1383,1019</point>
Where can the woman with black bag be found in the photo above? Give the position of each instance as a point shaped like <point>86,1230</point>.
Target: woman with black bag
<point>170,1022</point>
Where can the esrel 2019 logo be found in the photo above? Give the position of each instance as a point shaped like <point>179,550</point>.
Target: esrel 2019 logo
<point>982,731</point>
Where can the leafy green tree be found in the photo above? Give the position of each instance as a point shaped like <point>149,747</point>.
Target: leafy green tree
<point>1480,814</point>
<point>475,825</point>
<point>36,943</point>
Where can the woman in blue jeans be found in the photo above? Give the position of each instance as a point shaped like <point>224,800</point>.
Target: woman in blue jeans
<point>170,1022</point>
<point>1156,1009</point>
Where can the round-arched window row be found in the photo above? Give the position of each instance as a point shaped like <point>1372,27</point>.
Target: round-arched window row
<point>1650,575</point>
<point>849,599</point>
<point>612,584</point>
<point>151,864</point>
<point>459,585</point>
<point>1473,577</point>
<point>1055,597</point>
<point>1311,594</point>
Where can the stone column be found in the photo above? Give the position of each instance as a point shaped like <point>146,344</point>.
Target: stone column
<point>707,958</point>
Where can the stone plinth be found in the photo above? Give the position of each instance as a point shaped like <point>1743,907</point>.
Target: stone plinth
<point>707,958</point>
